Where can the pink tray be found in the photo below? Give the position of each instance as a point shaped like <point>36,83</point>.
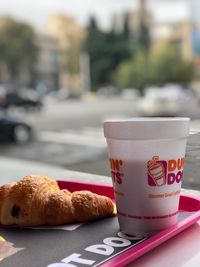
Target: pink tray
<point>187,204</point>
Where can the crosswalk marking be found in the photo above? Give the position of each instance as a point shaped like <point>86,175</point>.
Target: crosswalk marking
<point>87,136</point>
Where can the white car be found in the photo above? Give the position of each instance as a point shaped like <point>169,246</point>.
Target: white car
<point>164,101</point>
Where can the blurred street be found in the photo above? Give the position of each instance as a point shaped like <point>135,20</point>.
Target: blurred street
<point>65,68</point>
<point>61,77</point>
<point>70,135</point>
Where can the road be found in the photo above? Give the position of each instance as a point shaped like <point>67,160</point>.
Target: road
<point>76,114</point>
<point>70,134</point>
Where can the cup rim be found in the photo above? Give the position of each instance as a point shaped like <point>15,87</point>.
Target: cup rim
<point>148,119</point>
<point>141,128</point>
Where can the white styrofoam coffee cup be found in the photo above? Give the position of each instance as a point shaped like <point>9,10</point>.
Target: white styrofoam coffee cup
<point>147,160</point>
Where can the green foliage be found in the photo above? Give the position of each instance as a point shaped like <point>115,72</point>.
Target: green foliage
<point>129,63</point>
<point>106,51</point>
<point>142,71</point>
<point>143,38</point>
<point>169,66</point>
<point>133,73</point>
<point>17,46</point>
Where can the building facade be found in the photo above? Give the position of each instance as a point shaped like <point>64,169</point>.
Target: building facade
<point>47,68</point>
<point>177,33</point>
<point>70,35</point>
<point>44,71</point>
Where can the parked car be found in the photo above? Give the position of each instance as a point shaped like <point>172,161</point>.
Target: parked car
<point>14,99</point>
<point>63,95</point>
<point>12,129</point>
<point>169,100</point>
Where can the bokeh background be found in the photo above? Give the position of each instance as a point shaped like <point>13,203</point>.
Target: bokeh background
<point>66,66</point>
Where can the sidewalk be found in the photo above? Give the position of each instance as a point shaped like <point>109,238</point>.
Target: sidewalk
<point>14,169</point>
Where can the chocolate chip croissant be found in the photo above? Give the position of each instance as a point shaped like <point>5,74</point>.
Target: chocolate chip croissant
<point>37,200</point>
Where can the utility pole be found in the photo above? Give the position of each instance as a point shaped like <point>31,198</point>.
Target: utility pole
<point>142,4</point>
<point>143,31</point>
<point>143,12</point>
<point>85,73</point>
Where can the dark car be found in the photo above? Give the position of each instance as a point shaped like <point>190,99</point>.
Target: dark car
<point>12,129</point>
<point>17,100</point>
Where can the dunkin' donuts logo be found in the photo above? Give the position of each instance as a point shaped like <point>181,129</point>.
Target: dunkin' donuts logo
<point>116,166</point>
<point>116,172</point>
<point>162,172</point>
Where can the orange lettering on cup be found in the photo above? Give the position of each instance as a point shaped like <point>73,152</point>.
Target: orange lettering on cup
<point>171,165</point>
<point>180,163</point>
<point>115,164</point>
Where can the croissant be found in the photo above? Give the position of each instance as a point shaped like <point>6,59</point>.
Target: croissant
<point>37,200</point>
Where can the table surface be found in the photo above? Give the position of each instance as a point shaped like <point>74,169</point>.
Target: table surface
<point>182,250</point>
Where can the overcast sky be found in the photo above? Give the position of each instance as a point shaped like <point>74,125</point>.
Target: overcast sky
<point>37,12</point>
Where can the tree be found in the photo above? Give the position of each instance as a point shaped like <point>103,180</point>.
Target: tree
<point>169,66</point>
<point>133,73</point>
<point>144,36</point>
<point>17,46</point>
<point>92,46</point>
<point>126,28</point>
<point>166,67</point>
<point>106,51</point>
